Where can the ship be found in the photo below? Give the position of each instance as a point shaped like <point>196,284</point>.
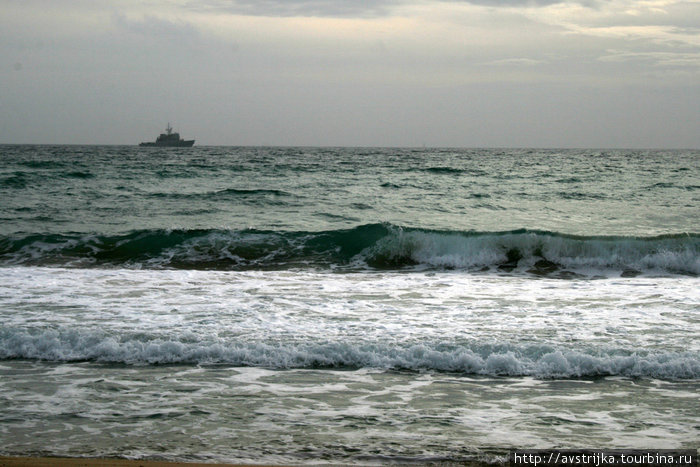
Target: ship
<point>170,139</point>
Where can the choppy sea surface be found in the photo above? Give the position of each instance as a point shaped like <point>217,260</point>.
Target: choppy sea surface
<point>363,306</point>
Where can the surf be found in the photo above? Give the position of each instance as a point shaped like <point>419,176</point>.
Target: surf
<point>371,246</point>
<point>538,360</point>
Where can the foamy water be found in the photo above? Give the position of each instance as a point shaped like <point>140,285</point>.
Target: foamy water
<point>447,321</point>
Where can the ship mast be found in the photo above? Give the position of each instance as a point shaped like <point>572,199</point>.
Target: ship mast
<point>169,128</point>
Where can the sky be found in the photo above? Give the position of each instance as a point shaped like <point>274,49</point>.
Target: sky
<point>457,73</point>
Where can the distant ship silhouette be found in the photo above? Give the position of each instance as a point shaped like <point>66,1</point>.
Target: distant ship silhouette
<point>170,139</point>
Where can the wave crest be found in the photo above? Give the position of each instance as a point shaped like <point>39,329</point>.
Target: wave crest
<point>378,246</point>
<point>540,361</point>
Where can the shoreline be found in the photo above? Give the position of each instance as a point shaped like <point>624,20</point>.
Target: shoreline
<point>20,461</point>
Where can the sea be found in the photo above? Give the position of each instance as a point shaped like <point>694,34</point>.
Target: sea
<point>289,305</point>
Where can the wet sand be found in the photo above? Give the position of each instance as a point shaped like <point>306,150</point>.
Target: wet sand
<point>88,462</point>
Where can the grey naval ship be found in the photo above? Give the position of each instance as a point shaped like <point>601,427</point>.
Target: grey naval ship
<point>170,139</point>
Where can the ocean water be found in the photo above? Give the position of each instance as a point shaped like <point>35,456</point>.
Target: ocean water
<point>362,306</point>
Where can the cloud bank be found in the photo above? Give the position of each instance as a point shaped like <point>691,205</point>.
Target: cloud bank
<point>337,72</point>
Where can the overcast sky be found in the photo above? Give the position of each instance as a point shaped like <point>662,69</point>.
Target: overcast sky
<point>479,73</point>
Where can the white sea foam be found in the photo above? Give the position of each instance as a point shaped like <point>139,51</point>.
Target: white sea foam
<point>442,321</point>
<point>539,361</point>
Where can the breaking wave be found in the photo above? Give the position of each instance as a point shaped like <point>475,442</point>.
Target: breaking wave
<point>376,246</point>
<point>540,361</point>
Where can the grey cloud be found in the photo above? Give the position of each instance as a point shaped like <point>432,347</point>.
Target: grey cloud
<point>288,8</point>
<point>518,61</point>
<point>156,27</point>
<point>343,8</point>
<point>510,3</point>
<point>666,59</point>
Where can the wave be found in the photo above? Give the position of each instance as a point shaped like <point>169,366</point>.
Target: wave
<point>443,170</point>
<point>17,180</point>
<point>262,196</point>
<point>540,361</point>
<point>374,246</point>
<point>580,195</point>
<point>79,174</point>
<point>453,171</point>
